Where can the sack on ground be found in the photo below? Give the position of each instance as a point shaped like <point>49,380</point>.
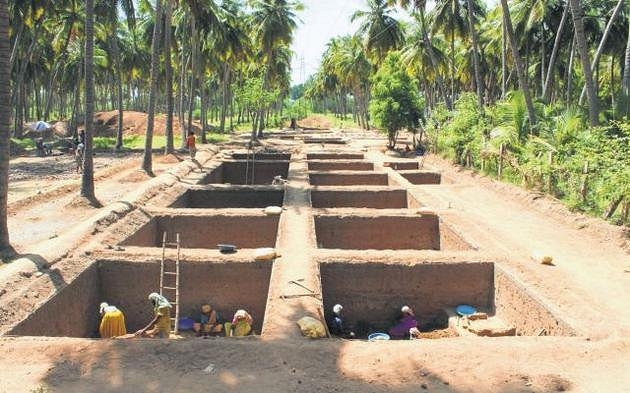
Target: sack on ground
<point>311,327</point>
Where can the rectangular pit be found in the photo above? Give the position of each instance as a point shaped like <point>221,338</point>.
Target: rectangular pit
<point>340,166</point>
<point>374,199</point>
<point>237,197</point>
<point>206,231</point>
<point>422,177</point>
<point>330,140</point>
<point>73,312</point>
<point>402,165</point>
<point>334,156</point>
<point>262,156</point>
<point>373,293</point>
<point>236,172</point>
<point>420,232</point>
<point>348,179</point>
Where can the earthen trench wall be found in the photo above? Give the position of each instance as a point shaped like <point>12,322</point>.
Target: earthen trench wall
<point>208,231</point>
<point>374,292</point>
<point>73,311</point>
<point>378,232</point>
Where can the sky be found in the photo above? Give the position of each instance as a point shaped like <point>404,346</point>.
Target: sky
<point>320,21</point>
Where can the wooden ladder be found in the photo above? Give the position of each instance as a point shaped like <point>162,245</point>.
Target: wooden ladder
<point>169,279</point>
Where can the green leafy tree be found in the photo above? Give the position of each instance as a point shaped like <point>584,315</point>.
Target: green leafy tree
<point>396,102</point>
<point>253,96</point>
<point>465,130</point>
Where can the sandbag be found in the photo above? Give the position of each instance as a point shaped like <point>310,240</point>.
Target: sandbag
<point>265,254</point>
<point>311,327</point>
<point>273,210</point>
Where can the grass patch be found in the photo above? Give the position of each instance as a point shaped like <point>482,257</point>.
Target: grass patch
<point>158,141</point>
<point>26,143</point>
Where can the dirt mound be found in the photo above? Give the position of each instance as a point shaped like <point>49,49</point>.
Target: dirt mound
<point>315,122</point>
<point>134,123</point>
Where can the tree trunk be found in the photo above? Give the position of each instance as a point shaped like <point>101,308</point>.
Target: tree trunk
<point>554,55</point>
<point>624,99</point>
<point>434,63</point>
<point>203,114</point>
<point>452,64</point>
<point>473,35</point>
<point>224,88</point>
<point>578,23</point>
<point>180,111</point>
<point>5,126</point>
<point>169,146</point>
<point>570,72</point>
<point>119,93</point>
<point>602,42</point>
<point>520,69</point>
<point>147,159</point>
<point>504,68</point>
<point>87,179</point>
<point>193,71</point>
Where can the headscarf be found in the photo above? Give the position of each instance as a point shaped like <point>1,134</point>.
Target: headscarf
<point>104,307</point>
<point>407,310</point>
<point>159,300</point>
<point>242,314</point>
<point>337,308</point>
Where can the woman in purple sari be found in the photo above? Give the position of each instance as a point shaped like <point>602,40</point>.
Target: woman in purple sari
<point>407,322</point>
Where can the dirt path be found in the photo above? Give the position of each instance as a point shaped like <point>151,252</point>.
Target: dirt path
<point>587,284</point>
<point>43,191</point>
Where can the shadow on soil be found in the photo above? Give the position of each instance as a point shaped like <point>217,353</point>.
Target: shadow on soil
<point>253,364</point>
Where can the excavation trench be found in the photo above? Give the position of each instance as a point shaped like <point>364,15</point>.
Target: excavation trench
<point>73,311</point>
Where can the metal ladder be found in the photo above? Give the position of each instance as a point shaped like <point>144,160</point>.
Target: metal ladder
<point>167,276</point>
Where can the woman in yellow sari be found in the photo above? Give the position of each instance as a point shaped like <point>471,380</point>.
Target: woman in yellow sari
<point>112,322</point>
<point>161,321</point>
<point>241,324</point>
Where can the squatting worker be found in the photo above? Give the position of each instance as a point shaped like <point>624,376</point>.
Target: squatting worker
<point>112,321</point>
<point>161,321</point>
<point>407,322</point>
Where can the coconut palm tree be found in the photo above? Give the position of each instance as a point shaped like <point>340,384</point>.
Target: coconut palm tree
<point>108,10</point>
<point>169,146</point>
<point>420,6</point>
<point>554,53</point>
<point>418,59</point>
<point>580,38</point>
<point>449,17</point>
<point>87,178</point>
<point>233,45</point>
<point>273,22</point>
<point>520,68</point>
<point>147,162</point>
<point>471,6</point>
<point>5,126</point>
<point>624,101</point>
<point>379,30</point>
<point>602,43</point>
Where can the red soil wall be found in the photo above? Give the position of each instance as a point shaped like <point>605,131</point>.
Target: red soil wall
<point>375,292</point>
<point>208,231</point>
<point>347,179</point>
<point>381,199</point>
<point>378,232</point>
<point>340,166</point>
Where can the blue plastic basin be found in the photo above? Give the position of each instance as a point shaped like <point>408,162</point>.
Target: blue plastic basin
<point>378,336</point>
<point>465,309</point>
